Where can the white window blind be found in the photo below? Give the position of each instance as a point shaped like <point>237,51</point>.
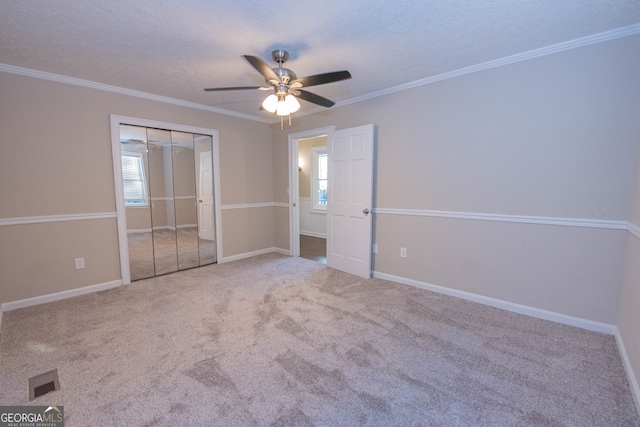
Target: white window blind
<point>319,179</point>
<point>133,180</point>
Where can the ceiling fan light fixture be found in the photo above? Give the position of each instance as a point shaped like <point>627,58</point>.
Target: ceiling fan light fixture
<point>287,105</point>
<point>270,103</point>
<point>292,103</point>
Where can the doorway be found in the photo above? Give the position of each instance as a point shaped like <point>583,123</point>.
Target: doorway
<point>349,201</point>
<point>312,192</point>
<point>166,179</point>
<point>307,226</point>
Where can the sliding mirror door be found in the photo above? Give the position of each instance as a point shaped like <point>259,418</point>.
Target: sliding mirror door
<point>169,200</point>
<point>135,182</point>
<point>184,184</point>
<point>163,216</point>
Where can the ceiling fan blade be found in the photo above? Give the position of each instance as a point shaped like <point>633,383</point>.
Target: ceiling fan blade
<point>217,89</point>
<point>313,98</point>
<point>320,79</point>
<point>262,67</point>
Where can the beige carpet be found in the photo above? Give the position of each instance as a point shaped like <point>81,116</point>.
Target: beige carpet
<point>279,341</point>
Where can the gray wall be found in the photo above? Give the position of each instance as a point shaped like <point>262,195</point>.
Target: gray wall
<point>629,316</point>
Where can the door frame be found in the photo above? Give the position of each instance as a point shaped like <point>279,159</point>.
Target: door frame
<point>121,216</point>
<point>294,184</point>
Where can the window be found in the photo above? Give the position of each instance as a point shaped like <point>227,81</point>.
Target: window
<point>134,179</point>
<point>319,179</point>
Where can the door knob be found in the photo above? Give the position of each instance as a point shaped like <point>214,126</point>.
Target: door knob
<point>365,211</point>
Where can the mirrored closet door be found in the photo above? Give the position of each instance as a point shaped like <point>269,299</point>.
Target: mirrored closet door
<point>167,179</point>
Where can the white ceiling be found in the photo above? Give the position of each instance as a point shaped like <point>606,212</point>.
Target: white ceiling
<point>175,48</point>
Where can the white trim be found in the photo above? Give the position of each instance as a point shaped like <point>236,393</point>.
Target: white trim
<point>256,205</point>
<point>187,226</point>
<point>164,227</point>
<point>55,218</point>
<point>139,230</point>
<point>123,91</point>
<point>633,383</point>
<point>504,305</point>
<point>569,222</point>
<point>116,121</point>
<point>313,234</point>
<point>524,56</point>
<point>42,299</point>
<point>254,253</point>
<point>634,229</point>
<point>1,312</point>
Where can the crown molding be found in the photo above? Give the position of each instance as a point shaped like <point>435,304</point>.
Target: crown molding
<point>524,56</point>
<point>634,229</point>
<point>11,69</point>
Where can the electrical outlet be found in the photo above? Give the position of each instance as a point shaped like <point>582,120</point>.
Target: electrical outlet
<point>403,252</point>
<point>374,248</point>
<point>79,263</point>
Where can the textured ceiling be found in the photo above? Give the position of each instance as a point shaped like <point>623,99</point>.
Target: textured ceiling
<point>175,48</point>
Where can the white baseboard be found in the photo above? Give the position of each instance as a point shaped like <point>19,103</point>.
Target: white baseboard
<point>505,305</point>
<point>254,253</point>
<point>28,302</point>
<point>633,382</point>
<point>313,234</point>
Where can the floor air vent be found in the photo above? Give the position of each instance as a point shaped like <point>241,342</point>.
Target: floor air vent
<point>43,384</point>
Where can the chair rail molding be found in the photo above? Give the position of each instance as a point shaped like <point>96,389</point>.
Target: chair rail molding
<point>526,219</point>
<point>55,218</point>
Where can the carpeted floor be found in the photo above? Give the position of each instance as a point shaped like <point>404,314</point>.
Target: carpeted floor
<point>279,341</point>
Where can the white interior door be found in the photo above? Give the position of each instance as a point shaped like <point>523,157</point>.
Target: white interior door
<point>350,198</point>
<point>206,226</point>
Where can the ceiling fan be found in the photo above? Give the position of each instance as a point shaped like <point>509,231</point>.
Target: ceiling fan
<point>286,85</point>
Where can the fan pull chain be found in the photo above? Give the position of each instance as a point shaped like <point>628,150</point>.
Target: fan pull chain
<point>281,122</point>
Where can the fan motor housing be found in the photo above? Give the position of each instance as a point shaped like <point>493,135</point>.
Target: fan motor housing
<point>285,75</point>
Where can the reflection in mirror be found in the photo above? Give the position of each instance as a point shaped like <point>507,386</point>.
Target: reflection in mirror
<point>204,185</point>
<point>184,186</point>
<point>135,179</point>
<point>163,218</point>
<point>169,202</point>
